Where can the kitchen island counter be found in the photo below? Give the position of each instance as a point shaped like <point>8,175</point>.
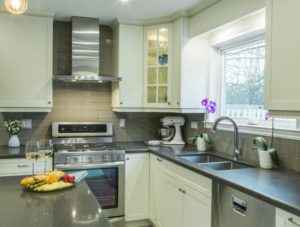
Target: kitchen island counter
<point>68,208</point>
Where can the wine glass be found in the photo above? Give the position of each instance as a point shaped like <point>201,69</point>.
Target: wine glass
<point>31,153</point>
<point>45,149</point>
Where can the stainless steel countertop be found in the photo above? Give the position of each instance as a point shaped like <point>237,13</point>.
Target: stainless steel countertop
<point>69,208</point>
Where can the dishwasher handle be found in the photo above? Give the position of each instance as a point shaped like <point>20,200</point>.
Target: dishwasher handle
<point>238,205</point>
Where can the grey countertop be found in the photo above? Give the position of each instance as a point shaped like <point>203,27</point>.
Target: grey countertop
<point>8,153</point>
<point>278,187</point>
<point>69,208</point>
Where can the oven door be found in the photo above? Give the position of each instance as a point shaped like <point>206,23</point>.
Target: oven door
<point>107,182</point>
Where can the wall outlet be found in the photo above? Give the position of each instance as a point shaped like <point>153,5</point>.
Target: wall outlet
<point>26,123</point>
<point>194,125</point>
<point>122,123</point>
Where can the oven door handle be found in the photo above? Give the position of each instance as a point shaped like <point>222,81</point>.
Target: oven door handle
<point>88,166</point>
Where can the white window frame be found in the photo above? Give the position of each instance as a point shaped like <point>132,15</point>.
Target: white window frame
<point>262,128</point>
<point>234,46</point>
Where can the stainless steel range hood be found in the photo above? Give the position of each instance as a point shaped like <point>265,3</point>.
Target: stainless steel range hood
<point>85,53</point>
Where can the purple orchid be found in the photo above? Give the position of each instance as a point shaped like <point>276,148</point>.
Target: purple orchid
<point>210,106</point>
<point>267,116</point>
<point>204,102</point>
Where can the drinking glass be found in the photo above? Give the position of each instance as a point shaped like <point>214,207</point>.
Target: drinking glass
<point>31,153</point>
<point>45,149</point>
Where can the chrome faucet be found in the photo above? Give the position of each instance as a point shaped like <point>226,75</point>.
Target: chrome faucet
<point>236,151</point>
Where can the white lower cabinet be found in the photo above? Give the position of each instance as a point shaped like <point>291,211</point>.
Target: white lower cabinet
<point>285,219</point>
<point>186,204</point>
<point>21,166</point>
<point>137,187</point>
<point>157,190</point>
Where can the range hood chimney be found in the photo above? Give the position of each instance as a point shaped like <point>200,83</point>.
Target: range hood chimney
<point>85,53</point>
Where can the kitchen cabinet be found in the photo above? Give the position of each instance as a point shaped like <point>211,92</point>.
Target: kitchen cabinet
<point>282,92</point>
<point>285,219</point>
<point>128,43</point>
<point>190,69</point>
<point>25,63</point>
<point>137,187</point>
<point>21,166</point>
<point>157,190</point>
<point>188,201</point>
<point>158,66</point>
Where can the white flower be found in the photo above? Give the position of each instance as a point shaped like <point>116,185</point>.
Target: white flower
<point>13,127</point>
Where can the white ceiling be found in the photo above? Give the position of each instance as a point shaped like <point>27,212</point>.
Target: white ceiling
<point>107,10</point>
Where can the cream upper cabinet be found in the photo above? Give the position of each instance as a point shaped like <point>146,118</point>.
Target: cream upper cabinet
<point>190,69</point>
<point>285,219</point>
<point>25,63</point>
<point>282,91</point>
<point>158,66</point>
<point>137,187</point>
<point>128,64</point>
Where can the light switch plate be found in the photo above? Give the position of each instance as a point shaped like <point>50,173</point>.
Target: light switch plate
<point>26,123</point>
<point>122,123</point>
<point>194,125</point>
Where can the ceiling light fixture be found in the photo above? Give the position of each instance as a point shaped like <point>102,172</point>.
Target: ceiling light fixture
<point>16,6</point>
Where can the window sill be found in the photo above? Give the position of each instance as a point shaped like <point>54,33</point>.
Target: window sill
<point>258,130</point>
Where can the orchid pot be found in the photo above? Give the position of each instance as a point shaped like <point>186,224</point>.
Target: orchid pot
<point>265,160</point>
<point>201,144</point>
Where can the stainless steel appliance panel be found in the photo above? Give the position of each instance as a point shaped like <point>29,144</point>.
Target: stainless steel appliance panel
<point>232,208</point>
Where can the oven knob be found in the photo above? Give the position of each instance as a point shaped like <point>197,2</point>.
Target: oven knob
<point>75,159</point>
<point>114,157</point>
<point>106,157</point>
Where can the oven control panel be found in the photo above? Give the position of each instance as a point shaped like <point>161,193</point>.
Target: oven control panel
<point>62,158</point>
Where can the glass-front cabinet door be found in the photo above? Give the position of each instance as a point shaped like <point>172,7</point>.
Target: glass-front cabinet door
<point>158,59</point>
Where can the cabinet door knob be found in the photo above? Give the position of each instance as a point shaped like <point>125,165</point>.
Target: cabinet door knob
<point>127,159</point>
<point>49,102</point>
<point>178,103</point>
<point>180,189</point>
<point>183,191</point>
<point>121,103</point>
<point>291,220</point>
<point>169,103</point>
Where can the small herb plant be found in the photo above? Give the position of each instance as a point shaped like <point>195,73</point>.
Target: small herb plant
<point>13,127</point>
<point>261,144</point>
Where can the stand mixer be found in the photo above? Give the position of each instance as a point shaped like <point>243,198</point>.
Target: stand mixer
<point>171,133</point>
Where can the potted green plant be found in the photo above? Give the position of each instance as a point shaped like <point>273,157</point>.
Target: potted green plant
<point>13,128</point>
<point>267,156</point>
<point>201,141</point>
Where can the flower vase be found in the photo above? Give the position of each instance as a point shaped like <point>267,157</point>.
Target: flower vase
<point>14,141</point>
<point>265,160</point>
<point>201,144</point>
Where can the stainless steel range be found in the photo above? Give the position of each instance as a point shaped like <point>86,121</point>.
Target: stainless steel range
<point>88,146</point>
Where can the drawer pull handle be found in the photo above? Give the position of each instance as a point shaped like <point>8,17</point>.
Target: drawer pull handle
<point>158,159</point>
<point>23,166</point>
<point>291,220</point>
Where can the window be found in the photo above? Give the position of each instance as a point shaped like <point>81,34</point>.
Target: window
<point>243,87</point>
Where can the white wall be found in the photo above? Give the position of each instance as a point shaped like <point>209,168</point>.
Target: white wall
<point>221,13</point>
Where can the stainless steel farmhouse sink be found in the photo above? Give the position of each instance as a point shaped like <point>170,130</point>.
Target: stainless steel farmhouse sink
<point>201,158</point>
<point>213,162</point>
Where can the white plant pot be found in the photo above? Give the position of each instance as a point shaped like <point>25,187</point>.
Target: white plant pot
<point>201,144</point>
<point>265,160</point>
<point>14,141</point>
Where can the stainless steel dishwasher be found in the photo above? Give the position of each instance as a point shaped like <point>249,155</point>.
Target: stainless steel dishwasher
<point>232,208</point>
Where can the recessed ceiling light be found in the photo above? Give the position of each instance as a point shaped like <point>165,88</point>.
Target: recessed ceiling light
<point>16,6</point>
<point>124,1</point>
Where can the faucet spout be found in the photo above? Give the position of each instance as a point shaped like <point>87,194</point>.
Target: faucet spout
<point>236,151</point>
